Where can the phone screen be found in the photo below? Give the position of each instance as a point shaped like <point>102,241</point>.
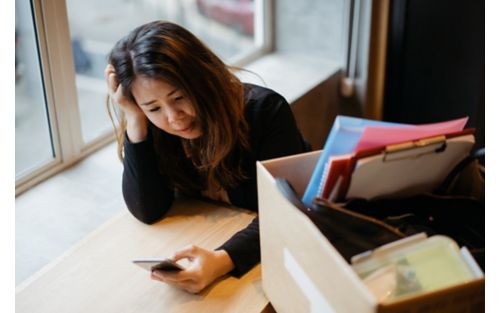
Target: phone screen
<point>167,265</point>
<point>158,264</point>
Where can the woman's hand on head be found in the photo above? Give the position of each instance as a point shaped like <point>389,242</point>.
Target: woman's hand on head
<point>136,119</point>
<point>205,267</point>
<point>115,92</point>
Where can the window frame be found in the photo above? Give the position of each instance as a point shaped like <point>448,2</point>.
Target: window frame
<point>263,34</point>
<point>51,25</point>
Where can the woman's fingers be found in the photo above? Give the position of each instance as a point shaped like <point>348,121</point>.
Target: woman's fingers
<point>188,252</point>
<point>109,69</point>
<point>128,106</point>
<point>178,281</point>
<point>174,275</point>
<point>115,91</point>
<point>112,83</point>
<point>111,79</point>
<point>191,287</point>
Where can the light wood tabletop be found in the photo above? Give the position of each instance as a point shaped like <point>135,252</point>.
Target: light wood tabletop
<point>97,275</point>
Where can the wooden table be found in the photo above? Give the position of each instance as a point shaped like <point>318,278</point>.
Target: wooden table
<point>97,275</point>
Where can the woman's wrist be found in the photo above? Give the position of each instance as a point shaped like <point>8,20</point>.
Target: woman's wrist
<point>137,128</point>
<point>224,261</point>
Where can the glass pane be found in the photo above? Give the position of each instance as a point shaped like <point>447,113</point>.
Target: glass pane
<point>227,26</point>
<point>33,140</point>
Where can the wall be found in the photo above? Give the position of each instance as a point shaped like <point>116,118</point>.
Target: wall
<point>317,29</point>
<point>312,27</point>
<point>316,110</point>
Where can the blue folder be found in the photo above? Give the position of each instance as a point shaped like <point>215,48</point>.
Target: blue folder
<point>343,138</point>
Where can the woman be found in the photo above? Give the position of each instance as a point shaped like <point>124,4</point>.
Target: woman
<point>189,125</point>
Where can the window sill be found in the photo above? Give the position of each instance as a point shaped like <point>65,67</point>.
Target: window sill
<point>291,75</point>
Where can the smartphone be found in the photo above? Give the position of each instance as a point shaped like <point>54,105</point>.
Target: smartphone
<point>160,264</point>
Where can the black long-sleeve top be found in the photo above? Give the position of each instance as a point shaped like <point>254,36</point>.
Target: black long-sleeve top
<point>272,133</point>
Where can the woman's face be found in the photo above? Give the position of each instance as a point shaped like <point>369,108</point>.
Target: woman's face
<point>167,107</point>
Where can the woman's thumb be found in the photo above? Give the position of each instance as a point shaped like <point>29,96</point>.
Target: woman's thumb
<point>188,252</point>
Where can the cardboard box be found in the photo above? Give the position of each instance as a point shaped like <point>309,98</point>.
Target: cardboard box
<point>303,272</point>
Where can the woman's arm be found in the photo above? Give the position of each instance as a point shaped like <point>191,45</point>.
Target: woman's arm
<point>243,248</point>
<point>146,192</point>
<point>275,134</point>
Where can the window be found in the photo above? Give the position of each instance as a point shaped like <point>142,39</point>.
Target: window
<point>61,50</point>
<point>34,146</point>
<point>226,26</point>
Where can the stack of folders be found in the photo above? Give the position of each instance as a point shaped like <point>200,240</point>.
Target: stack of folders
<point>369,159</point>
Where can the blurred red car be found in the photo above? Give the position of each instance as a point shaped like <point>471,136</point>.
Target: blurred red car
<point>237,14</point>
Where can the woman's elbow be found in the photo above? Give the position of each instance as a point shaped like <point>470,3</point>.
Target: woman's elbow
<point>148,214</point>
<point>147,219</point>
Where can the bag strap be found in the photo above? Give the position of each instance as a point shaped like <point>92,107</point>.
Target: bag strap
<point>475,155</point>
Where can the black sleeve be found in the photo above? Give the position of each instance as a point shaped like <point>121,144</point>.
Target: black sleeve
<point>244,248</point>
<point>276,135</point>
<point>280,135</point>
<point>145,190</point>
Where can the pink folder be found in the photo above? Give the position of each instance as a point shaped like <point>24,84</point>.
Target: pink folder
<point>377,136</point>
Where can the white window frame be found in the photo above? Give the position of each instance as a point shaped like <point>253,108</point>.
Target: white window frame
<point>263,34</point>
<point>58,74</point>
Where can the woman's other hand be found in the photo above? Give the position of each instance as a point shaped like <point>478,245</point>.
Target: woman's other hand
<point>136,119</point>
<point>205,267</point>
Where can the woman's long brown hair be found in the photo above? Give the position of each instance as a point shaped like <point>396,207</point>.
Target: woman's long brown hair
<point>166,51</point>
